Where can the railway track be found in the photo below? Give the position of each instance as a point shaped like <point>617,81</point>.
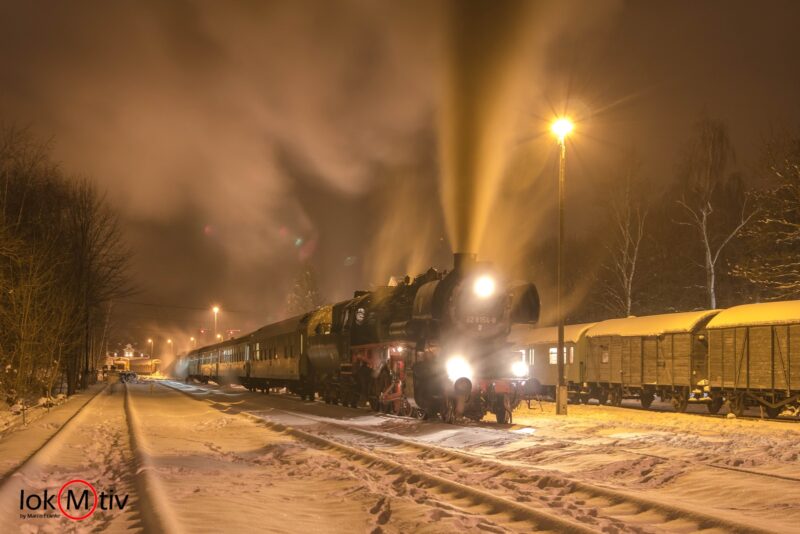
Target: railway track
<point>541,497</point>
<point>153,497</point>
<point>97,445</point>
<point>10,470</point>
<point>690,463</point>
<point>93,446</point>
<point>747,417</point>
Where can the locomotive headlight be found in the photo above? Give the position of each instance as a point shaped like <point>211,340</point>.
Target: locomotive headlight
<point>484,286</point>
<point>519,369</point>
<point>457,367</point>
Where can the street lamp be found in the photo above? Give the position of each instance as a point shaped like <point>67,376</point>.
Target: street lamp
<point>193,341</point>
<point>215,309</point>
<point>562,127</point>
<point>150,342</point>
<point>219,337</point>
<point>169,342</point>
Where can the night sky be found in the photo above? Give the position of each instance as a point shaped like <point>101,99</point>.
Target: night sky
<point>240,139</point>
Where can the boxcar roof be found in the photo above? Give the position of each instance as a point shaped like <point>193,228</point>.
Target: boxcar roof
<point>765,313</point>
<point>523,334</point>
<point>652,325</point>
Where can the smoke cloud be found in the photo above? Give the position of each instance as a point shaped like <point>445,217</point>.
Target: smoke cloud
<point>240,139</point>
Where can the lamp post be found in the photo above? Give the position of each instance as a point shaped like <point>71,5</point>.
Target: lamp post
<point>215,309</point>
<point>171,352</point>
<point>150,342</point>
<point>193,341</point>
<point>561,128</point>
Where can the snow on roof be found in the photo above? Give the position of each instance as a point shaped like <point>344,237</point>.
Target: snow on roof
<point>652,325</point>
<point>786,312</point>
<point>528,335</point>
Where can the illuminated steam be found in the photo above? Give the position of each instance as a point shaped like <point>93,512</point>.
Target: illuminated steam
<point>485,44</point>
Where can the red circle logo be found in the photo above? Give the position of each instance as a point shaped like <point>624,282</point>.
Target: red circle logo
<point>64,512</point>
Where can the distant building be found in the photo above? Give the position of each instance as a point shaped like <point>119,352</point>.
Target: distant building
<point>131,360</point>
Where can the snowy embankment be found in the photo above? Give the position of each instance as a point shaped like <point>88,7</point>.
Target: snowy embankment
<point>92,446</point>
<point>19,443</point>
<point>720,472</point>
<point>227,472</point>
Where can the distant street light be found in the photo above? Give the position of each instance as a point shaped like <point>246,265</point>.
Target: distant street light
<point>171,351</point>
<point>219,336</point>
<point>193,341</point>
<point>150,341</point>
<point>215,309</point>
<point>561,128</point>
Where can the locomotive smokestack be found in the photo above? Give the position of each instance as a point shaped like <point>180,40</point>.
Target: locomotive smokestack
<point>464,260</point>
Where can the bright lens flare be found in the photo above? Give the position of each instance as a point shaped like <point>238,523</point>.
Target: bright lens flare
<point>457,367</point>
<point>519,369</point>
<point>562,128</point>
<point>484,286</point>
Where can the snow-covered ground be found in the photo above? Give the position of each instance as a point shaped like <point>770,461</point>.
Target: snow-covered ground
<point>209,459</point>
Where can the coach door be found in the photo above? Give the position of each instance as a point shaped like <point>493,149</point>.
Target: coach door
<point>699,358</point>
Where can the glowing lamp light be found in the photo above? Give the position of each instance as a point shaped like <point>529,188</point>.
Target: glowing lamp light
<point>519,369</point>
<point>215,309</point>
<point>484,286</point>
<point>457,367</point>
<point>562,128</point>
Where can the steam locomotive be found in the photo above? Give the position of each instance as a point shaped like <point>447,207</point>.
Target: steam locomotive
<point>431,346</point>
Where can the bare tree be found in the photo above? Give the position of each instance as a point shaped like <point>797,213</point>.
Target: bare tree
<point>304,295</point>
<point>100,260</point>
<point>627,212</point>
<point>61,258</point>
<point>704,180</point>
<point>773,238</point>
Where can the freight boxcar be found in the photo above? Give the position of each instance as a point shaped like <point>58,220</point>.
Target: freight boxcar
<point>754,357</point>
<point>538,348</point>
<point>640,357</point>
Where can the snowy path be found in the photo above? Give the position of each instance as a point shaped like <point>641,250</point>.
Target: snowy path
<point>211,459</point>
<point>222,471</point>
<point>19,443</point>
<point>671,460</point>
<point>94,446</point>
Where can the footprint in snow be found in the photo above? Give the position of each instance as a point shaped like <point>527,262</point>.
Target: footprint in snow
<point>383,509</point>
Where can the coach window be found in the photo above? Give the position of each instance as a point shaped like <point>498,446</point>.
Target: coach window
<point>604,355</point>
<point>553,351</point>
<point>572,355</point>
